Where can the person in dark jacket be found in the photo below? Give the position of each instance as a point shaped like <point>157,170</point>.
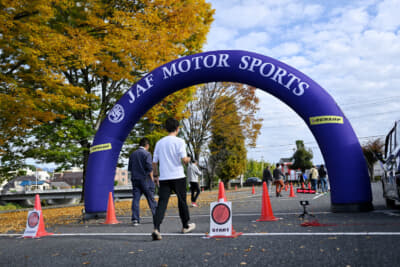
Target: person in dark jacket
<point>267,176</point>
<point>141,170</point>
<point>324,180</point>
<point>278,177</point>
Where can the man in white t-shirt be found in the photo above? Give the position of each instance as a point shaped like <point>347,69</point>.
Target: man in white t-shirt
<point>169,153</point>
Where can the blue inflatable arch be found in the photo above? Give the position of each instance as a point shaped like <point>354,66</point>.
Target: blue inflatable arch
<point>347,170</point>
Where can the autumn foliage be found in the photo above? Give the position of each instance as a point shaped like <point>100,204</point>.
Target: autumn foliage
<point>64,64</point>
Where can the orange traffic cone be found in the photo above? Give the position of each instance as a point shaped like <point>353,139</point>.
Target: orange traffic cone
<point>302,186</point>
<point>235,187</point>
<point>286,187</point>
<point>110,218</point>
<point>41,231</point>
<point>309,186</point>
<point>221,192</point>
<point>253,191</point>
<point>291,191</point>
<point>266,210</point>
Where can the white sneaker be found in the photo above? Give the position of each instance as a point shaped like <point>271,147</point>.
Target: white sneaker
<point>156,235</point>
<point>191,227</point>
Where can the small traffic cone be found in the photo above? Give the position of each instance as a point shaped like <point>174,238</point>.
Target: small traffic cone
<point>41,229</point>
<point>302,186</point>
<point>235,187</point>
<point>291,191</point>
<point>253,191</point>
<point>110,218</point>
<point>286,187</point>
<point>221,192</point>
<point>266,210</point>
<point>309,186</point>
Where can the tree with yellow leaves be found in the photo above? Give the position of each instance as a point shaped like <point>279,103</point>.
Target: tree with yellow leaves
<point>227,146</point>
<point>64,63</point>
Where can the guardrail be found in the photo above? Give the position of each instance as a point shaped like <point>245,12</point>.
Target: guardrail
<point>119,192</point>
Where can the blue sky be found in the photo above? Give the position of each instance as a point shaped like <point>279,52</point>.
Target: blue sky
<point>351,48</point>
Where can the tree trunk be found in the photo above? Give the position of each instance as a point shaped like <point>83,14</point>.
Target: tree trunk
<point>85,156</point>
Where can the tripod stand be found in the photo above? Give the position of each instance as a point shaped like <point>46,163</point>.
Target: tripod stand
<point>305,203</point>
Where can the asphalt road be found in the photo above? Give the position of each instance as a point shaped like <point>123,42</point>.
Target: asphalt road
<point>342,239</point>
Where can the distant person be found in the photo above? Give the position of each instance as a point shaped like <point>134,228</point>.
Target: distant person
<point>193,174</point>
<point>169,153</point>
<point>141,170</point>
<point>314,177</point>
<point>267,176</point>
<point>278,179</point>
<point>324,180</point>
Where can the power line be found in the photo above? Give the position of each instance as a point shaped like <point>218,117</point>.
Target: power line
<point>349,118</point>
<point>313,142</point>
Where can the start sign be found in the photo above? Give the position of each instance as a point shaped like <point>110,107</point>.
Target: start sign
<point>221,219</point>
<point>32,223</point>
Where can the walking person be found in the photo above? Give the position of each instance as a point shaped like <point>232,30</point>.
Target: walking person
<point>314,177</point>
<point>267,177</point>
<point>141,170</point>
<point>278,177</point>
<point>169,153</point>
<point>193,174</point>
<point>322,176</point>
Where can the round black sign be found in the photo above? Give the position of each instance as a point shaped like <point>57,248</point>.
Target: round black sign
<point>33,219</point>
<point>221,213</point>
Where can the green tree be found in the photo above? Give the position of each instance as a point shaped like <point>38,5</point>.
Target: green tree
<point>255,168</point>
<point>227,146</point>
<point>302,157</point>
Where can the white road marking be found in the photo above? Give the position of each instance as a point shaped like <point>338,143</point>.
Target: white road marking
<point>204,235</point>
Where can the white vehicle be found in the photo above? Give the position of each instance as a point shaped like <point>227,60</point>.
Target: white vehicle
<point>391,166</point>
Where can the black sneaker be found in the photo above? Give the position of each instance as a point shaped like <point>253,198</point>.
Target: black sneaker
<point>135,223</point>
<point>156,235</point>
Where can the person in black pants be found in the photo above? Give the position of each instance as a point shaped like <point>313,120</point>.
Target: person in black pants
<point>169,153</point>
<point>193,173</point>
<point>267,176</point>
<point>141,170</point>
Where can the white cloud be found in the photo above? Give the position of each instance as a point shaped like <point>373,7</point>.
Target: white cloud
<point>387,18</point>
<point>252,41</point>
<point>220,38</point>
